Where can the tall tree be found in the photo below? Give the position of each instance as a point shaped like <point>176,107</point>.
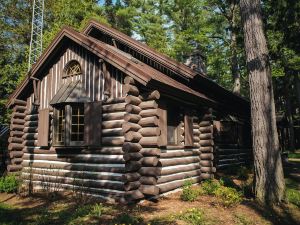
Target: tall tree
<point>269,180</point>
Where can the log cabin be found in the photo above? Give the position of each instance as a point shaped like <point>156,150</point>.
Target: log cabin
<point>104,113</point>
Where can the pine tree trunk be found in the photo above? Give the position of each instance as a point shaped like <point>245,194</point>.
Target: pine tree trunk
<point>233,46</point>
<point>269,180</point>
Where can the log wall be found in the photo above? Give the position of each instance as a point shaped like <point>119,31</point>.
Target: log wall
<point>16,137</point>
<point>98,171</point>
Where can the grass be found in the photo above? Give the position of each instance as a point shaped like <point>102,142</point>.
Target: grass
<point>295,155</point>
<point>292,192</point>
<point>242,219</point>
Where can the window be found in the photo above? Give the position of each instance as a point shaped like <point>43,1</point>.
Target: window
<point>73,68</point>
<point>173,124</point>
<point>69,125</point>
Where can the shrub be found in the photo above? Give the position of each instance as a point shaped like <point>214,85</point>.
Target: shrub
<point>9,184</point>
<point>211,186</point>
<point>193,216</point>
<point>228,196</point>
<point>188,193</point>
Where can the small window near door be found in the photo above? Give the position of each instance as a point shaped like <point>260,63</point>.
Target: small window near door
<point>77,123</point>
<point>173,122</point>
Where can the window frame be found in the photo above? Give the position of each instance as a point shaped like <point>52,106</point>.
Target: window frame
<point>67,122</point>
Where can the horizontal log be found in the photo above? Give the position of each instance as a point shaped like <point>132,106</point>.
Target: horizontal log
<point>111,108</point>
<point>16,161</point>
<point>131,147</point>
<point>15,127</point>
<point>135,156</point>
<point>148,180</point>
<point>228,151</point>
<point>131,90</point>
<point>132,109</point>
<point>150,151</point>
<point>149,190</point>
<point>150,171</point>
<point>30,143</point>
<point>113,116</point>
<point>109,141</point>
<point>149,122</point>
<point>77,182</point>
<point>171,154</point>
<point>206,176</point>
<point>15,154</point>
<point>148,105</point>
<point>74,174</point>
<point>130,177</point>
<point>208,129</point>
<point>178,176</point>
<point>75,166</point>
<point>16,133</point>
<point>149,131</point>
<point>206,136</point>
<point>31,124</point>
<point>17,121</point>
<point>150,141</point>
<point>76,158</point>
<point>30,136</point>
<point>175,184</point>
<point>19,108</point>
<point>149,112</point>
<point>206,156</point>
<point>112,132</point>
<point>207,169</point>
<point>19,102</point>
<point>206,142</point>
<point>179,169</point>
<point>204,123</point>
<point>112,124</point>
<point>132,136</point>
<point>178,161</point>
<point>110,101</point>
<point>207,163</point>
<point>15,146</point>
<point>196,126</point>
<point>149,161</point>
<point>63,150</point>
<point>33,117</point>
<point>134,118</point>
<point>14,168</point>
<point>134,195</point>
<point>130,99</point>
<point>204,149</point>
<point>18,115</point>
<point>127,126</point>
<point>196,139</point>
<point>132,185</point>
<point>196,132</point>
<point>154,95</point>
<point>15,140</point>
<point>129,80</point>
<point>132,166</point>
<point>30,129</point>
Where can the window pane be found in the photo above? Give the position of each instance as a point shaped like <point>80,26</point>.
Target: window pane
<point>77,123</point>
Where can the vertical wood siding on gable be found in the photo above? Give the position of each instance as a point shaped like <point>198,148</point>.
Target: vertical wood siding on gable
<point>92,78</point>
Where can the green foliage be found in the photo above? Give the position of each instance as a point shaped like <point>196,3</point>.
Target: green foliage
<point>211,186</point>
<point>189,193</point>
<point>9,184</point>
<point>293,196</point>
<point>97,210</point>
<point>193,216</point>
<point>229,196</point>
<point>294,155</point>
<point>243,219</point>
